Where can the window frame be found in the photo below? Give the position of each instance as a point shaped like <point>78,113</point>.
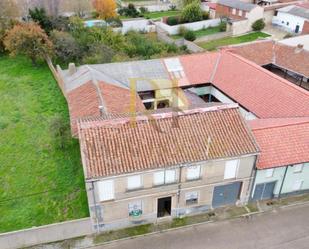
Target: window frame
<point>233,11</point>
<point>100,191</point>
<point>236,169</point>
<point>140,181</point>
<point>299,182</point>
<point>189,201</point>
<point>164,177</point>
<point>298,171</point>
<point>193,178</point>
<point>267,175</point>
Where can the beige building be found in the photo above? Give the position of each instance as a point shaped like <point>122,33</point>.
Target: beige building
<point>166,164</point>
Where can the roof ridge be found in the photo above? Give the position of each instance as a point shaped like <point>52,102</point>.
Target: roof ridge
<point>281,125</point>
<point>156,116</point>
<point>215,67</point>
<point>283,81</point>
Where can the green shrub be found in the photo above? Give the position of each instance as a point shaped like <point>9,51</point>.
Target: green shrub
<point>205,15</point>
<point>192,13</point>
<point>130,11</point>
<point>258,25</point>
<point>222,26</point>
<point>172,7</point>
<point>190,35</point>
<point>172,20</point>
<point>143,10</point>
<point>65,46</point>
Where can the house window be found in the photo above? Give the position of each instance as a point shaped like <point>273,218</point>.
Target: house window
<point>134,182</point>
<point>297,185</point>
<point>231,169</point>
<point>106,190</point>
<point>193,172</point>
<point>191,198</point>
<point>287,24</point>
<point>234,11</point>
<point>298,168</point>
<point>240,12</point>
<point>135,209</point>
<point>164,177</point>
<point>269,172</point>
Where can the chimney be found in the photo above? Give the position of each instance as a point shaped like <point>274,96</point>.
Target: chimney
<point>300,46</point>
<point>102,110</point>
<point>72,69</point>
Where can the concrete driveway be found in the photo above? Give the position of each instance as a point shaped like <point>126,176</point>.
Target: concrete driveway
<point>287,228</point>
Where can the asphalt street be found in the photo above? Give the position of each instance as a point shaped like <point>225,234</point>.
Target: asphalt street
<point>286,228</point>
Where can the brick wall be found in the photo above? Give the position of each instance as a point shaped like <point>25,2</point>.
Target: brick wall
<point>224,11</point>
<point>305,28</point>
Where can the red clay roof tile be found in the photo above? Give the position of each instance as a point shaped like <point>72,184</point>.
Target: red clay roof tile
<point>119,146</point>
<point>281,142</point>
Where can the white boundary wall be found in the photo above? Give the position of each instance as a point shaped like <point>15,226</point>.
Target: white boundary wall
<point>173,30</point>
<point>46,234</point>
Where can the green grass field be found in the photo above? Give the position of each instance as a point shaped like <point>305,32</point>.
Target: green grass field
<point>40,184</point>
<point>157,14</point>
<point>212,45</point>
<point>202,32</point>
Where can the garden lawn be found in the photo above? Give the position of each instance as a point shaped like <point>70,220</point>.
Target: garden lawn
<point>212,45</point>
<point>156,14</point>
<point>40,184</point>
<point>159,14</point>
<point>202,32</point>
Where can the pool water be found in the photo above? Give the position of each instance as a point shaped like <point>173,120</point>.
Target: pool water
<point>92,23</point>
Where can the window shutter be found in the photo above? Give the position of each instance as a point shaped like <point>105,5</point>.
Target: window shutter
<point>269,172</point>
<point>134,182</point>
<point>170,176</point>
<point>158,178</point>
<point>193,172</point>
<point>230,169</point>
<point>106,190</point>
<point>298,168</point>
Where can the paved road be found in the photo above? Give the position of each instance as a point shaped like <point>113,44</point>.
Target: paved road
<point>284,229</point>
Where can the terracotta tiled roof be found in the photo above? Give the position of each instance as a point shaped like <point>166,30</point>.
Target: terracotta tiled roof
<point>199,67</point>
<point>266,52</point>
<point>86,100</point>
<point>83,102</point>
<point>119,146</point>
<point>282,142</point>
<point>261,92</point>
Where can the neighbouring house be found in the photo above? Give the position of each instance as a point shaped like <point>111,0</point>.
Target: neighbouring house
<point>295,41</point>
<point>283,165</point>
<point>168,137</point>
<point>270,9</point>
<point>91,90</point>
<point>287,58</point>
<point>241,15</point>
<point>165,164</point>
<point>293,18</point>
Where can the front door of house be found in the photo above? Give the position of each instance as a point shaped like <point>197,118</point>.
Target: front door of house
<point>297,29</point>
<point>164,207</point>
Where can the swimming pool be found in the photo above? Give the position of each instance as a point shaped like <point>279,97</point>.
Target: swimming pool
<point>92,23</point>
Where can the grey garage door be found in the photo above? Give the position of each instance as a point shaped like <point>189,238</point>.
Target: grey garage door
<point>226,194</point>
<point>264,191</point>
